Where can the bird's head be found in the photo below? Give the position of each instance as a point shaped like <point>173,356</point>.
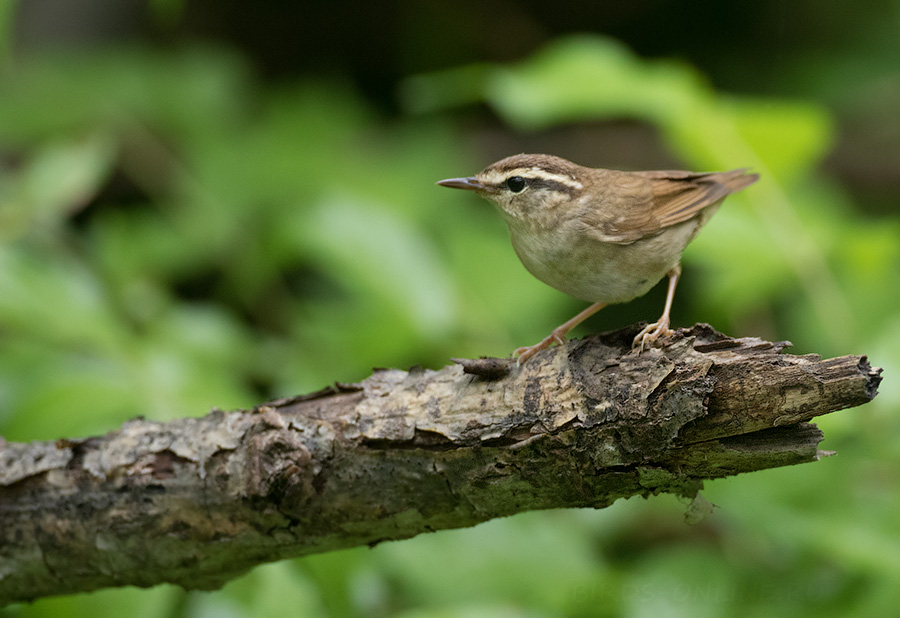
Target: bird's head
<point>526,186</point>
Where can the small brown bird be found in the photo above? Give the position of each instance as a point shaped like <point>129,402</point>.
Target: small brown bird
<point>603,236</point>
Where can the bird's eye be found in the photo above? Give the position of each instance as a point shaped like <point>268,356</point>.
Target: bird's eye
<point>516,184</point>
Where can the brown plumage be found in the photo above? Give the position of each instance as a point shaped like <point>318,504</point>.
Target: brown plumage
<point>604,236</point>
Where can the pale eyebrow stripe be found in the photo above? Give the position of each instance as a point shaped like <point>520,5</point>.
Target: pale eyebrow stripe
<point>537,176</point>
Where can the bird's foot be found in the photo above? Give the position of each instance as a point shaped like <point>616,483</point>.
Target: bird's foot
<point>523,354</point>
<point>651,333</point>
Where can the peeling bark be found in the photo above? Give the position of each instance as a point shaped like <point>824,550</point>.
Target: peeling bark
<point>199,501</point>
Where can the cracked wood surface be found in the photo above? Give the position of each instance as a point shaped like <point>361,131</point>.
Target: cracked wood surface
<point>198,501</point>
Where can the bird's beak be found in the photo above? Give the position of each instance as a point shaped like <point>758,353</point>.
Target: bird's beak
<point>471,183</point>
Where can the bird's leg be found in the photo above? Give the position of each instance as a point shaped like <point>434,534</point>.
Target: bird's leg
<point>557,336</point>
<point>654,331</point>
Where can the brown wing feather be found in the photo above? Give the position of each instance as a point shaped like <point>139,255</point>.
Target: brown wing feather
<point>680,196</point>
<point>647,202</point>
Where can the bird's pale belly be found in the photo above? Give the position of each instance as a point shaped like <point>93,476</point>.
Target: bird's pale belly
<point>597,271</point>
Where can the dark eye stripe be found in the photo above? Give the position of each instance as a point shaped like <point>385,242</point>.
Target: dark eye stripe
<point>552,185</point>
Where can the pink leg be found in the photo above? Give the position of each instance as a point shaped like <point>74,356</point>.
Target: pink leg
<point>558,335</point>
<point>654,331</point>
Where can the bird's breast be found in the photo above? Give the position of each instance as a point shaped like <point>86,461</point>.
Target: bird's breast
<point>580,265</point>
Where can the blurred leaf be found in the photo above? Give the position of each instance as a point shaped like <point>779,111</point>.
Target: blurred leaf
<point>189,362</point>
<point>159,602</point>
<point>53,299</point>
<point>268,592</point>
<point>532,558</point>
<point>437,91</point>
<point>590,77</point>
<point>679,582</point>
<point>49,393</point>
<point>7,12</point>
<point>789,136</point>
<point>498,609</point>
<point>739,277</point>
<point>186,93</point>
<point>58,180</point>
<point>390,259</point>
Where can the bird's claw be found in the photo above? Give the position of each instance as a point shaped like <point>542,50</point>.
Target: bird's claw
<point>523,354</point>
<point>651,333</point>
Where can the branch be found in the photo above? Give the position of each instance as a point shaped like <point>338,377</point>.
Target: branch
<point>198,501</point>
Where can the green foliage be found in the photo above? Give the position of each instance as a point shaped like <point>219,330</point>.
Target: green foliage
<point>175,236</point>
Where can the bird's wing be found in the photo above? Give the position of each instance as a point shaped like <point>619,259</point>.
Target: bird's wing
<point>679,196</point>
<point>645,203</point>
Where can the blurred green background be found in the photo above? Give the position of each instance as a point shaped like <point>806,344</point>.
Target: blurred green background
<point>212,203</point>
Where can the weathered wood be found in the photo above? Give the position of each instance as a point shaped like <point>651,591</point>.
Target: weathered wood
<point>198,501</point>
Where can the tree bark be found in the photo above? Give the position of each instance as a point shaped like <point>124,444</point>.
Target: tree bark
<point>198,501</point>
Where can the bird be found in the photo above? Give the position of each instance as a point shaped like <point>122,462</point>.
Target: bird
<point>603,236</point>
